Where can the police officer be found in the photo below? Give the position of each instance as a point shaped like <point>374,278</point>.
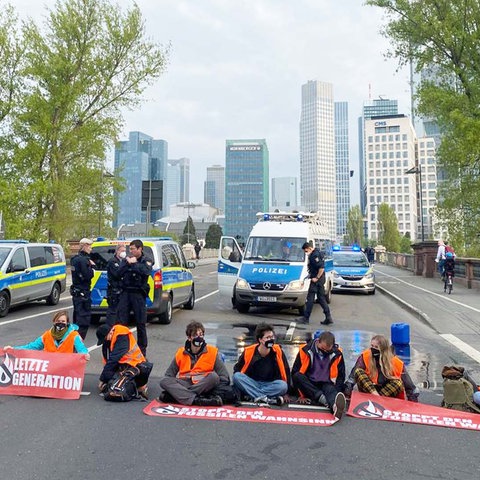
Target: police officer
<point>114,287</point>
<point>134,272</point>
<point>82,273</point>
<point>316,273</point>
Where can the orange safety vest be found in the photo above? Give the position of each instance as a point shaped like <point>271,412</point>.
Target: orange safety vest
<point>134,356</point>
<point>204,365</point>
<point>305,362</point>
<point>248,355</point>
<point>67,346</point>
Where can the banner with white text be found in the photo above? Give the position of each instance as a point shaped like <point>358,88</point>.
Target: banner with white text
<point>241,414</point>
<point>35,373</point>
<point>374,407</point>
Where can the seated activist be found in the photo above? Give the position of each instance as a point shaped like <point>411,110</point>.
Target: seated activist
<point>63,337</point>
<point>380,372</point>
<point>319,373</point>
<point>262,373</point>
<point>195,372</point>
<point>120,353</point>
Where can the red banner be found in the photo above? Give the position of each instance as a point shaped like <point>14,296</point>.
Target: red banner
<point>35,373</point>
<point>241,414</point>
<point>374,407</point>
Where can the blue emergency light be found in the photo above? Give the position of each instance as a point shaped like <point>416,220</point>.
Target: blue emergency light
<point>266,217</point>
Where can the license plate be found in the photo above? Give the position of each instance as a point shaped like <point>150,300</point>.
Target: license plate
<point>266,299</point>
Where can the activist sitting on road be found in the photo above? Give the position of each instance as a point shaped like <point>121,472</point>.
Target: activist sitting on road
<point>319,373</point>
<point>380,372</point>
<point>120,351</point>
<point>63,337</point>
<point>195,372</point>
<point>262,373</point>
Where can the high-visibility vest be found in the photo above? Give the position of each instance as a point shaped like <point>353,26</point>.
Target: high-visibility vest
<point>134,355</point>
<point>248,355</point>
<point>204,365</point>
<point>66,346</point>
<point>397,365</point>
<point>305,360</point>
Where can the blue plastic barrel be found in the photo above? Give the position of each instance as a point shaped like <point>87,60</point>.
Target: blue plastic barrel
<point>400,333</point>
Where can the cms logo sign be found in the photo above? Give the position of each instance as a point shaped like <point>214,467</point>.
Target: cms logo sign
<point>6,370</point>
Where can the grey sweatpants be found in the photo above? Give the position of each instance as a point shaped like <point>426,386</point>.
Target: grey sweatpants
<point>184,391</point>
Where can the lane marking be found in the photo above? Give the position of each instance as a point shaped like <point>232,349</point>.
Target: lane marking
<point>444,297</point>
<point>290,330</point>
<point>461,345</point>
<point>206,296</point>
<point>35,315</point>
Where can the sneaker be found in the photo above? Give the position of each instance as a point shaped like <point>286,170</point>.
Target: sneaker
<point>165,397</point>
<point>322,400</point>
<point>339,405</point>
<point>143,392</point>
<point>262,399</point>
<point>276,400</point>
<point>327,321</point>
<point>213,401</point>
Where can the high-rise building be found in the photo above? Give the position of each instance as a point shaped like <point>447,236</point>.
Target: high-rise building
<point>376,108</point>
<point>317,152</point>
<point>246,185</point>
<point>178,182</point>
<point>390,144</point>
<point>285,193</point>
<point>214,187</point>
<point>141,162</point>
<point>342,167</point>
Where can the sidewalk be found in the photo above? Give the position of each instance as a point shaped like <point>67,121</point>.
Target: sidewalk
<point>456,314</point>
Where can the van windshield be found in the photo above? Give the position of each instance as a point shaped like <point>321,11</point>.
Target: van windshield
<point>4,251</point>
<point>275,249</point>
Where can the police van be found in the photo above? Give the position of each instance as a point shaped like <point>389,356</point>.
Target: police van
<point>171,282</point>
<point>30,271</point>
<point>272,271</point>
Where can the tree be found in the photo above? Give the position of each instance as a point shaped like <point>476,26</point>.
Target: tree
<point>189,234</point>
<point>90,61</point>
<point>213,235</point>
<point>389,236</point>
<point>354,226</point>
<point>441,37</point>
<point>405,243</point>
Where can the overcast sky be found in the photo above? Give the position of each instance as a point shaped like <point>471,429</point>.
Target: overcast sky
<point>236,70</point>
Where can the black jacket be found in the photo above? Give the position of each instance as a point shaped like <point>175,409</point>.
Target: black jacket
<point>82,271</point>
<point>315,263</point>
<point>113,274</point>
<point>135,275</point>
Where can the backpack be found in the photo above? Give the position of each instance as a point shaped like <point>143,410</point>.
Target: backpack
<point>122,387</point>
<point>450,249</point>
<point>457,390</point>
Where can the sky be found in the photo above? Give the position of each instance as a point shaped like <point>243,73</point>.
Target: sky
<point>236,69</point>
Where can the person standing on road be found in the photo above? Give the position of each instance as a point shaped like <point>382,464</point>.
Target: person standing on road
<point>63,337</point>
<point>316,273</point>
<point>82,274</point>
<point>262,372</point>
<point>380,372</point>
<point>195,372</point>
<point>114,287</point>
<point>198,249</point>
<point>319,373</point>
<point>135,272</point>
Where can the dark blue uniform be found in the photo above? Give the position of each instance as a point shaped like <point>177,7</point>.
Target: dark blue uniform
<point>114,289</point>
<point>316,289</point>
<point>82,274</point>
<point>134,292</point>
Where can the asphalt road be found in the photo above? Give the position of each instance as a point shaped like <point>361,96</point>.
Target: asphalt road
<point>91,438</point>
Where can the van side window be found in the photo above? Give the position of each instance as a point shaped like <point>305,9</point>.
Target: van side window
<point>179,250</point>
<point>37,256</point>
<point>18,262</point>
<point>172,255</point>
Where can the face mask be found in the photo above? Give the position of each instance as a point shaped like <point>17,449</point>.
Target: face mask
<point>122,254</point>
<point>325,352</point>
<point>60,326</point>
<point>270,343</point>
<point>375,352</point>
<point>198,341</point>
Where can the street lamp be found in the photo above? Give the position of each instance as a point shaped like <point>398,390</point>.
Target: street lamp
<point>412,171</point>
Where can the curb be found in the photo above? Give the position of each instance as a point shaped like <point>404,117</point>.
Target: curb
<point>422,316</point>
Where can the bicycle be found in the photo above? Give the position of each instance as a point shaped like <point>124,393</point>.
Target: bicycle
<point>448,285</point>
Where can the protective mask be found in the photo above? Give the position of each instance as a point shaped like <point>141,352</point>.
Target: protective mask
<point>198,341</point>
<point>325,352</point>
<point>60,326</point>
<point>122,254</point>
<point>375,352</point>
<point>270,343</point>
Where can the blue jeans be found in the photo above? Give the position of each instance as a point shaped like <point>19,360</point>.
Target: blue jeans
<point>256,389</point>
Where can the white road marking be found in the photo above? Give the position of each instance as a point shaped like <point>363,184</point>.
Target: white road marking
<point>206,296</point>
<point>36,315</point>
<point>464,347</point>
<point>291,329</point>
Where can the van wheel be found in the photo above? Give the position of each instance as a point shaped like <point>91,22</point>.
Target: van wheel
<point>4,303</point>
<point>242,307</point>
<point>54,296</point>
<point>166,317</point>
<point>191,301</point>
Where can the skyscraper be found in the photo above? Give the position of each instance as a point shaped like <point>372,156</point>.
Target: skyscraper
<point>141,163</point>
<point>214,187</point>
<point>178,182</point>
<point>342,167</point>
<point>284,193</point>
<point>317,151</point>
<point>246,185</point>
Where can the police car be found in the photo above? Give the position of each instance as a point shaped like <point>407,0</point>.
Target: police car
<point>29,272</point>
<point>171,282</point>
<point>352,271</point>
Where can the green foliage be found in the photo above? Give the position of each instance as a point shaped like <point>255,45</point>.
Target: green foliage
<point>213,235</point>
<point>389,236</point>
<point>189,234</point>
<point>354,226</point>
<point>442,37</point>
<point>89,61</point>
<point>405,244</point>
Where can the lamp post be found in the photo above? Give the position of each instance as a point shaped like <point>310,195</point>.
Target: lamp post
<point>417,170</point>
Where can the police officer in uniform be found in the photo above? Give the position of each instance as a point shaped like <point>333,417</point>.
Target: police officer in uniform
<point>134,272</point>
<point>114,287</point>
<point>316,273</point>
<point>82,273</point>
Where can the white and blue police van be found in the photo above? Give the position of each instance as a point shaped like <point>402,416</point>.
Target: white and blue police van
<point>272,270</point>
<point>352,272</point>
